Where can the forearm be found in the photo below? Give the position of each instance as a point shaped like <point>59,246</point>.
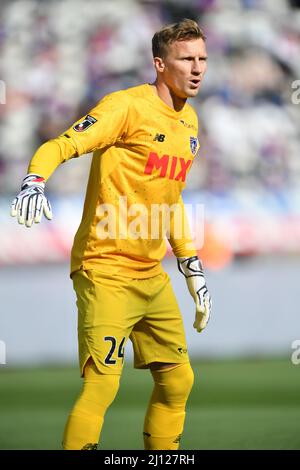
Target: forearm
<point>50,155</point>
<point>183,248</point>
<point>180,237</point>
<point>192,270</point>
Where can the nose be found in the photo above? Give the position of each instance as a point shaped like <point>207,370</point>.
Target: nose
<point>196,70</point>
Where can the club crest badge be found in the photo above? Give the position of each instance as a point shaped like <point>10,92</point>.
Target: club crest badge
<point>194,145</point>
<point>85,124</point>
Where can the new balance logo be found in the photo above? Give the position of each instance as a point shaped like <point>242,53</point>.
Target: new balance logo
<point>172,167</point>
<point>159,137</point>
<point>177,440</point>
<point>90,446</point>
<point>182,350</point>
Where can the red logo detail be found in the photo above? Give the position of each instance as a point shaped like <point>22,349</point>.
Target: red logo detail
<point>38,180</point>
<point>154,161</point>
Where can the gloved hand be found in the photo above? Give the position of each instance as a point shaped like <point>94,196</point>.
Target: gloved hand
<point>192,269</point>
<point>31,202</point>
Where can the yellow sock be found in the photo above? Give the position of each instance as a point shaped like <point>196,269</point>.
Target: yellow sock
<point>165,416</point>
<point>83,428</point>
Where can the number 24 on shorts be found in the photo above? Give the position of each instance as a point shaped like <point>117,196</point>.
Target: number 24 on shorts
<point>108,360</point>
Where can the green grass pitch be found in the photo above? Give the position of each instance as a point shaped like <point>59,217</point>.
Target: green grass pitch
<point>243,404</point>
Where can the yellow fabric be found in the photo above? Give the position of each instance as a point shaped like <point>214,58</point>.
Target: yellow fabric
<point>85,422</point>
<point>142,153</point>
<point>50,155</point>
<point>112,308</point>
<point>165,416</point>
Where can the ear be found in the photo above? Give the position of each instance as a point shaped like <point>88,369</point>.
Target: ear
<point>159,64</point>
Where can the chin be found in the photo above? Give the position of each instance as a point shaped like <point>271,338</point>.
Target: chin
<point>192,93</point>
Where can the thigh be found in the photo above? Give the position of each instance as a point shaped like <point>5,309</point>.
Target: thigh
<point>107,311</point>
<point>159,336</point>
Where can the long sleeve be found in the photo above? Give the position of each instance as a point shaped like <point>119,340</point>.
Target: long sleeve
<point>180,237</point>
<point>103,126</point>
<point>50,155</point>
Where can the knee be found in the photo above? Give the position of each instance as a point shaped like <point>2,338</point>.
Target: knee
<point>99,390</point>
<point>185,380</point>
<point>189,378</point>
<point>173,386</point>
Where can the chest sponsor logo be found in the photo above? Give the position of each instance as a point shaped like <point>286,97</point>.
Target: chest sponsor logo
<point>174,168</point>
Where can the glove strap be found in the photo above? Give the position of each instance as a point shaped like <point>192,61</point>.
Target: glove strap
<point>33,180</point>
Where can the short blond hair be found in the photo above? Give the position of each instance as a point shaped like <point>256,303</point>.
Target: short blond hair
<point>182,31</point>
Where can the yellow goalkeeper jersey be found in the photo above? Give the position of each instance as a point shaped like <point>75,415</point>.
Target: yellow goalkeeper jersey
<point>142,153</point>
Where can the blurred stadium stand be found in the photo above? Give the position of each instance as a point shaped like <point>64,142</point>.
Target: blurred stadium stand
<point>59,58</point>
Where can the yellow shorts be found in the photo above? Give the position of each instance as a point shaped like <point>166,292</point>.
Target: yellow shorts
<point>113,309</point>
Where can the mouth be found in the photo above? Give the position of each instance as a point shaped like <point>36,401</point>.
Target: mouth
<point>195,81</point>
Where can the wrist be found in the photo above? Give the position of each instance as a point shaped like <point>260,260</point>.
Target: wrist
<point>190,266</point>
<point>33,179</point>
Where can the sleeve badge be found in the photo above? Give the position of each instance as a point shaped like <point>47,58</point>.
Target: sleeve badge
<point>85,124</point>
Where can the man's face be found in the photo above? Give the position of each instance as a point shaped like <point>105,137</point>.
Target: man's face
<point>184,67</point>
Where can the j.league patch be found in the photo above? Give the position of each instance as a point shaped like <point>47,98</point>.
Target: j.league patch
<point>85,124</point>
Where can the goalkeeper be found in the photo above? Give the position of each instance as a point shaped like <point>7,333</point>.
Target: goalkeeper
<point>144,140</point>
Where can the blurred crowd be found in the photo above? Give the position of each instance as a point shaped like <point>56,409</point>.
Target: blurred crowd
<point>58,58</point>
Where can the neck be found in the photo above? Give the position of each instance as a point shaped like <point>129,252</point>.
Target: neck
<point>168,96</point>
